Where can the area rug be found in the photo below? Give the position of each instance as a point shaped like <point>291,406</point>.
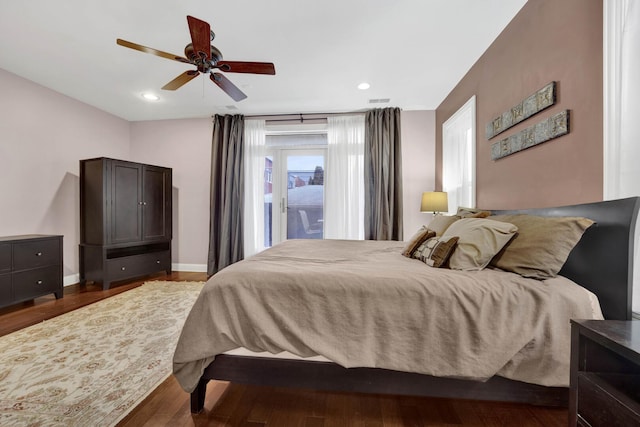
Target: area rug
<point>91,366</point>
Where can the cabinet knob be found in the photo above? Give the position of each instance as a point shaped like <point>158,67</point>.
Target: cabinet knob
<point>140,203</point>
<point>157,261</point>
<point>38,253</point>
<point>39,282</point>
<point>123,268</point>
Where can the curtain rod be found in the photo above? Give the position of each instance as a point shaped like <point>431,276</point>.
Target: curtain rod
<point>301,117</point>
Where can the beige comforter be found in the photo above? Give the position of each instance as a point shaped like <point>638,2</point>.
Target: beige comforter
<point>362,304</point>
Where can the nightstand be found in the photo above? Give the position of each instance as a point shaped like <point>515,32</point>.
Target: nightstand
<point>605,373</point>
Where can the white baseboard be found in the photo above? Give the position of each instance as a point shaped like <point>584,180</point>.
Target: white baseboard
<point>71,279</point>
<point>189,267</point>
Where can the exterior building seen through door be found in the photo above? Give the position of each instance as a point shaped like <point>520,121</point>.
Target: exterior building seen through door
<point>294,195</point>
<point>305,196</point>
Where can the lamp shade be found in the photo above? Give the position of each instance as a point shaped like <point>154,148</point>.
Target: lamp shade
<point>434,201</point>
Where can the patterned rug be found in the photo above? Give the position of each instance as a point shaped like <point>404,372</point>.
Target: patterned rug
<point>91,366</point>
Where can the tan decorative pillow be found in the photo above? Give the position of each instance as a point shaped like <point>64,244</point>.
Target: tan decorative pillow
<point>472,213</point>
<point>416,240</point>
<point>435,251</point>
<point>542,244</point>
<point>440,223</point>
<point>480,239</point>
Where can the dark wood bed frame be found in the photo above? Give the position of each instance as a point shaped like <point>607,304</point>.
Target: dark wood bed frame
<point>601,262</point>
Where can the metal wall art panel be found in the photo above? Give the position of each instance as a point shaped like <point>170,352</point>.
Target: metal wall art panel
<point>531,105</point>
<point>553,127</point>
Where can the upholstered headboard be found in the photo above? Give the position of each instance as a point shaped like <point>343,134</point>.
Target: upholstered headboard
<point>603,259</point>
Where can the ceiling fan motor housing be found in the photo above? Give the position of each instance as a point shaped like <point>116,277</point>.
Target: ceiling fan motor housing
<point>198,59</point>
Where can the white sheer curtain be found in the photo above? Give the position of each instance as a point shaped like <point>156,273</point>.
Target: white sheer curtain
<point>458,157</point>
<point>344,178</point>
<point>622,109</point>
<point>254,167</point>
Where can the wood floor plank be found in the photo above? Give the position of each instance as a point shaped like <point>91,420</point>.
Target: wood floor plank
<point>234,405</point>
<point>370,407</point>
<point>390,411</point>
<point>314,421</point>
<point>243,408</point>
<point>551,417</point>
<point>262,408</point>
<point>286,408</point>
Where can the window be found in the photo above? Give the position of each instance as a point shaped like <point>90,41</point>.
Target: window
<point>459,157</point>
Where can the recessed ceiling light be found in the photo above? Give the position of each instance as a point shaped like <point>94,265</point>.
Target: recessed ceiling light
<point>150,96</point>
<point>364,86</point>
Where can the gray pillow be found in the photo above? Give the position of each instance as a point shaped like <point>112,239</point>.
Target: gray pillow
<point>542,244</point>
<point>480,239</point>
<point>440,223</point>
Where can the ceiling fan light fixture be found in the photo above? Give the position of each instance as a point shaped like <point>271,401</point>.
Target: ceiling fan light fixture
<point>150,96</point>
<point>364,86</point>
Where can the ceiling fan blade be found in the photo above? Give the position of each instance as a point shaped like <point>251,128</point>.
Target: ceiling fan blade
<point>200,37</point>
<point>247,67</point>
<point>226,85</point>
<point>182,79</point>
<point>152,51</point>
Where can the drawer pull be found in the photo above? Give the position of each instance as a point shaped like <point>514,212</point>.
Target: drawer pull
<point>158,261</point>
<point>39,282</point>
<point>38,253</point>
<point>123,268</point>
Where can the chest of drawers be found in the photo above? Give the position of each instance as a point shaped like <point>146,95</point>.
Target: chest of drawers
<point>30,267</point>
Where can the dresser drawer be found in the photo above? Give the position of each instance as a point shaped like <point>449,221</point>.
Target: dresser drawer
<point>5,288</point>
<point>5,257</point>
<point>33,283</point>
<point>137,265</point>
<point>160,261</point>
<point>37,253</point>
<point>603,401</point>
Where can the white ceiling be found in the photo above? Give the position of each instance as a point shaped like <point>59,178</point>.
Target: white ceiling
<point>411,51</point>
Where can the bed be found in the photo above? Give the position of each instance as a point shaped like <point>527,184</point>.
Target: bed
<point>601,263</point>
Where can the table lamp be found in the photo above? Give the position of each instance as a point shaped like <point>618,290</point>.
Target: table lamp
<point>434,202</point>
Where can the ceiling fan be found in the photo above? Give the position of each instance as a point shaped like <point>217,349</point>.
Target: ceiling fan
<point>207,59</point>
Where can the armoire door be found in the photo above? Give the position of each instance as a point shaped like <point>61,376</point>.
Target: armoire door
<point>126,202</point>
<point>156,196</point>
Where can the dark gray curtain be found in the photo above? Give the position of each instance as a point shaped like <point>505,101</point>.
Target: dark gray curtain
<point>227,189</point>
<point>382,175</point>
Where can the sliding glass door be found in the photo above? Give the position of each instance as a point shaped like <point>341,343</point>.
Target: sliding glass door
<point>294,195</point>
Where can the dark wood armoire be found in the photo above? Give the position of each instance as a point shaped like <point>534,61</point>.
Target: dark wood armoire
<point>125,220</point>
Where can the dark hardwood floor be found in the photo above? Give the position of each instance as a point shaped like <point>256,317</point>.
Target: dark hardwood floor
<point>235,405</point>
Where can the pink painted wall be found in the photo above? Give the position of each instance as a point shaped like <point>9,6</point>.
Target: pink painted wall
<point>548,40</point>
<point>185,146</point>
<point>418,166</point>
<point>43,135</point>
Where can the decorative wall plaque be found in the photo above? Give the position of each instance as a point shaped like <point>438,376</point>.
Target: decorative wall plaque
<point>553,127</point>
<point>531,105</point>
